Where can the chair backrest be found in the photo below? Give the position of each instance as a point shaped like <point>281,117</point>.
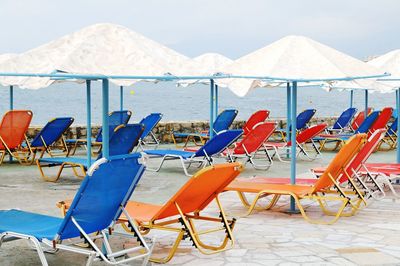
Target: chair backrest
<point>382,120</point>
<point>309,133</point>
<point>107,186</point>
<point>219,142</point>
<point>200,190</point>
<point>360,118</point>
<point>304,117</point>
<point>13,127</point>
<point>394,115</point>
<point>255,118</point>
<point>255,138</point>
<point>224,120</point>
<point>150,122</point>
<point>115,119</point>
<point>345,118</point>
<point>124,139</point>
<point>364,153</point>
<point>392,130</point>
<point>340,162</point>
<point>367,123</point>
<point>52,131</point>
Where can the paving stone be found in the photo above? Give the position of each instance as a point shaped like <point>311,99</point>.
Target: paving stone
<point>235,252</point>
<point>205,262</point>
<point>371,258</point>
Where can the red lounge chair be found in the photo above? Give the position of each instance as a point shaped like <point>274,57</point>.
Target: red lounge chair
<point>249,146</point>
<point>381,122</point>
<point>385,174</point>
<point>360,118</point>
<point>255,118</point>
<point>304,137</point>
<point>13,127</point>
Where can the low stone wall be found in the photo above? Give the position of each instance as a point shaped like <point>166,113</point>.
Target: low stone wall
<point>164,130</point>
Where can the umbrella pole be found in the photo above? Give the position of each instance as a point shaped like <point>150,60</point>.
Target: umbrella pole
<point>211,130</point>
<point>106,129</point>
<point>398,123</point>
<point>11,97</point>
<point>88,123</point>
<point>216,101</point>
<point>288,118</point>
<point>11,107</point>
<point>351,98</point>
<point>366,104</point>
<point>293,141</point>
<point>121,98</point>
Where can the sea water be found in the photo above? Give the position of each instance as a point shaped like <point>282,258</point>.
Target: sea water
<point>177,103</point>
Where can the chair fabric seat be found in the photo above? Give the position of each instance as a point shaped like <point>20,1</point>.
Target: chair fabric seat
<point>275,144</point>
<point>184,135</point>
<point>332,137</point>
<point>140,211</point>
<point>183,154</point>
<point>278,180</point>
<point>70,160</point>
<point>78,140</point>
<point>27,223</point>
<point>253,187</point>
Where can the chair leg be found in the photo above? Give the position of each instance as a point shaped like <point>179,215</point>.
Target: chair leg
<point>187,222</point>
<point>39,251</point>
<point>2,155</point>
<point>48,178</point>
<point>158,167</point>
<point>185,170</point>
<point>253,206</point>
<point>172,251</point>
<point>32,239</point>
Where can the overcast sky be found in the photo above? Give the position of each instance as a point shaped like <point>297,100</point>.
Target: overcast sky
<point>192,27</point>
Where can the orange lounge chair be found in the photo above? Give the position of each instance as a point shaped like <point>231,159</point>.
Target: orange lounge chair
<point>13,127</point>
<point>180,212</point>
<point>351,173</point>
<point>327,182</point>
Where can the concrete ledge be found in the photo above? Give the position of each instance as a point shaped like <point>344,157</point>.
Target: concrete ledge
<point>164,130</point>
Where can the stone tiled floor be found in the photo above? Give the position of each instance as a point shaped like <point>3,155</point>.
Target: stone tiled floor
<point>371,237</point>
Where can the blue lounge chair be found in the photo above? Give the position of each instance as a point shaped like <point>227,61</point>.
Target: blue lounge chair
<point>343,121</point>
<point>97,205</point>
<point>339,139</point>
<point>302,121</point>
<point>123,140</point>
<point>223,121</point>
<point>203,155</point>
<point>390,138</point>
<point>115,119</point>
<point>49,135</point>
<point>150,122</point>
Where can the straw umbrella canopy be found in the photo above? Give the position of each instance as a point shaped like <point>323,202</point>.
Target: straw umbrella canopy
<point>105,49</point>
<point>391,62</point>
<point>5,57</point>
<point>293,60</point>
<point>213,62</point>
